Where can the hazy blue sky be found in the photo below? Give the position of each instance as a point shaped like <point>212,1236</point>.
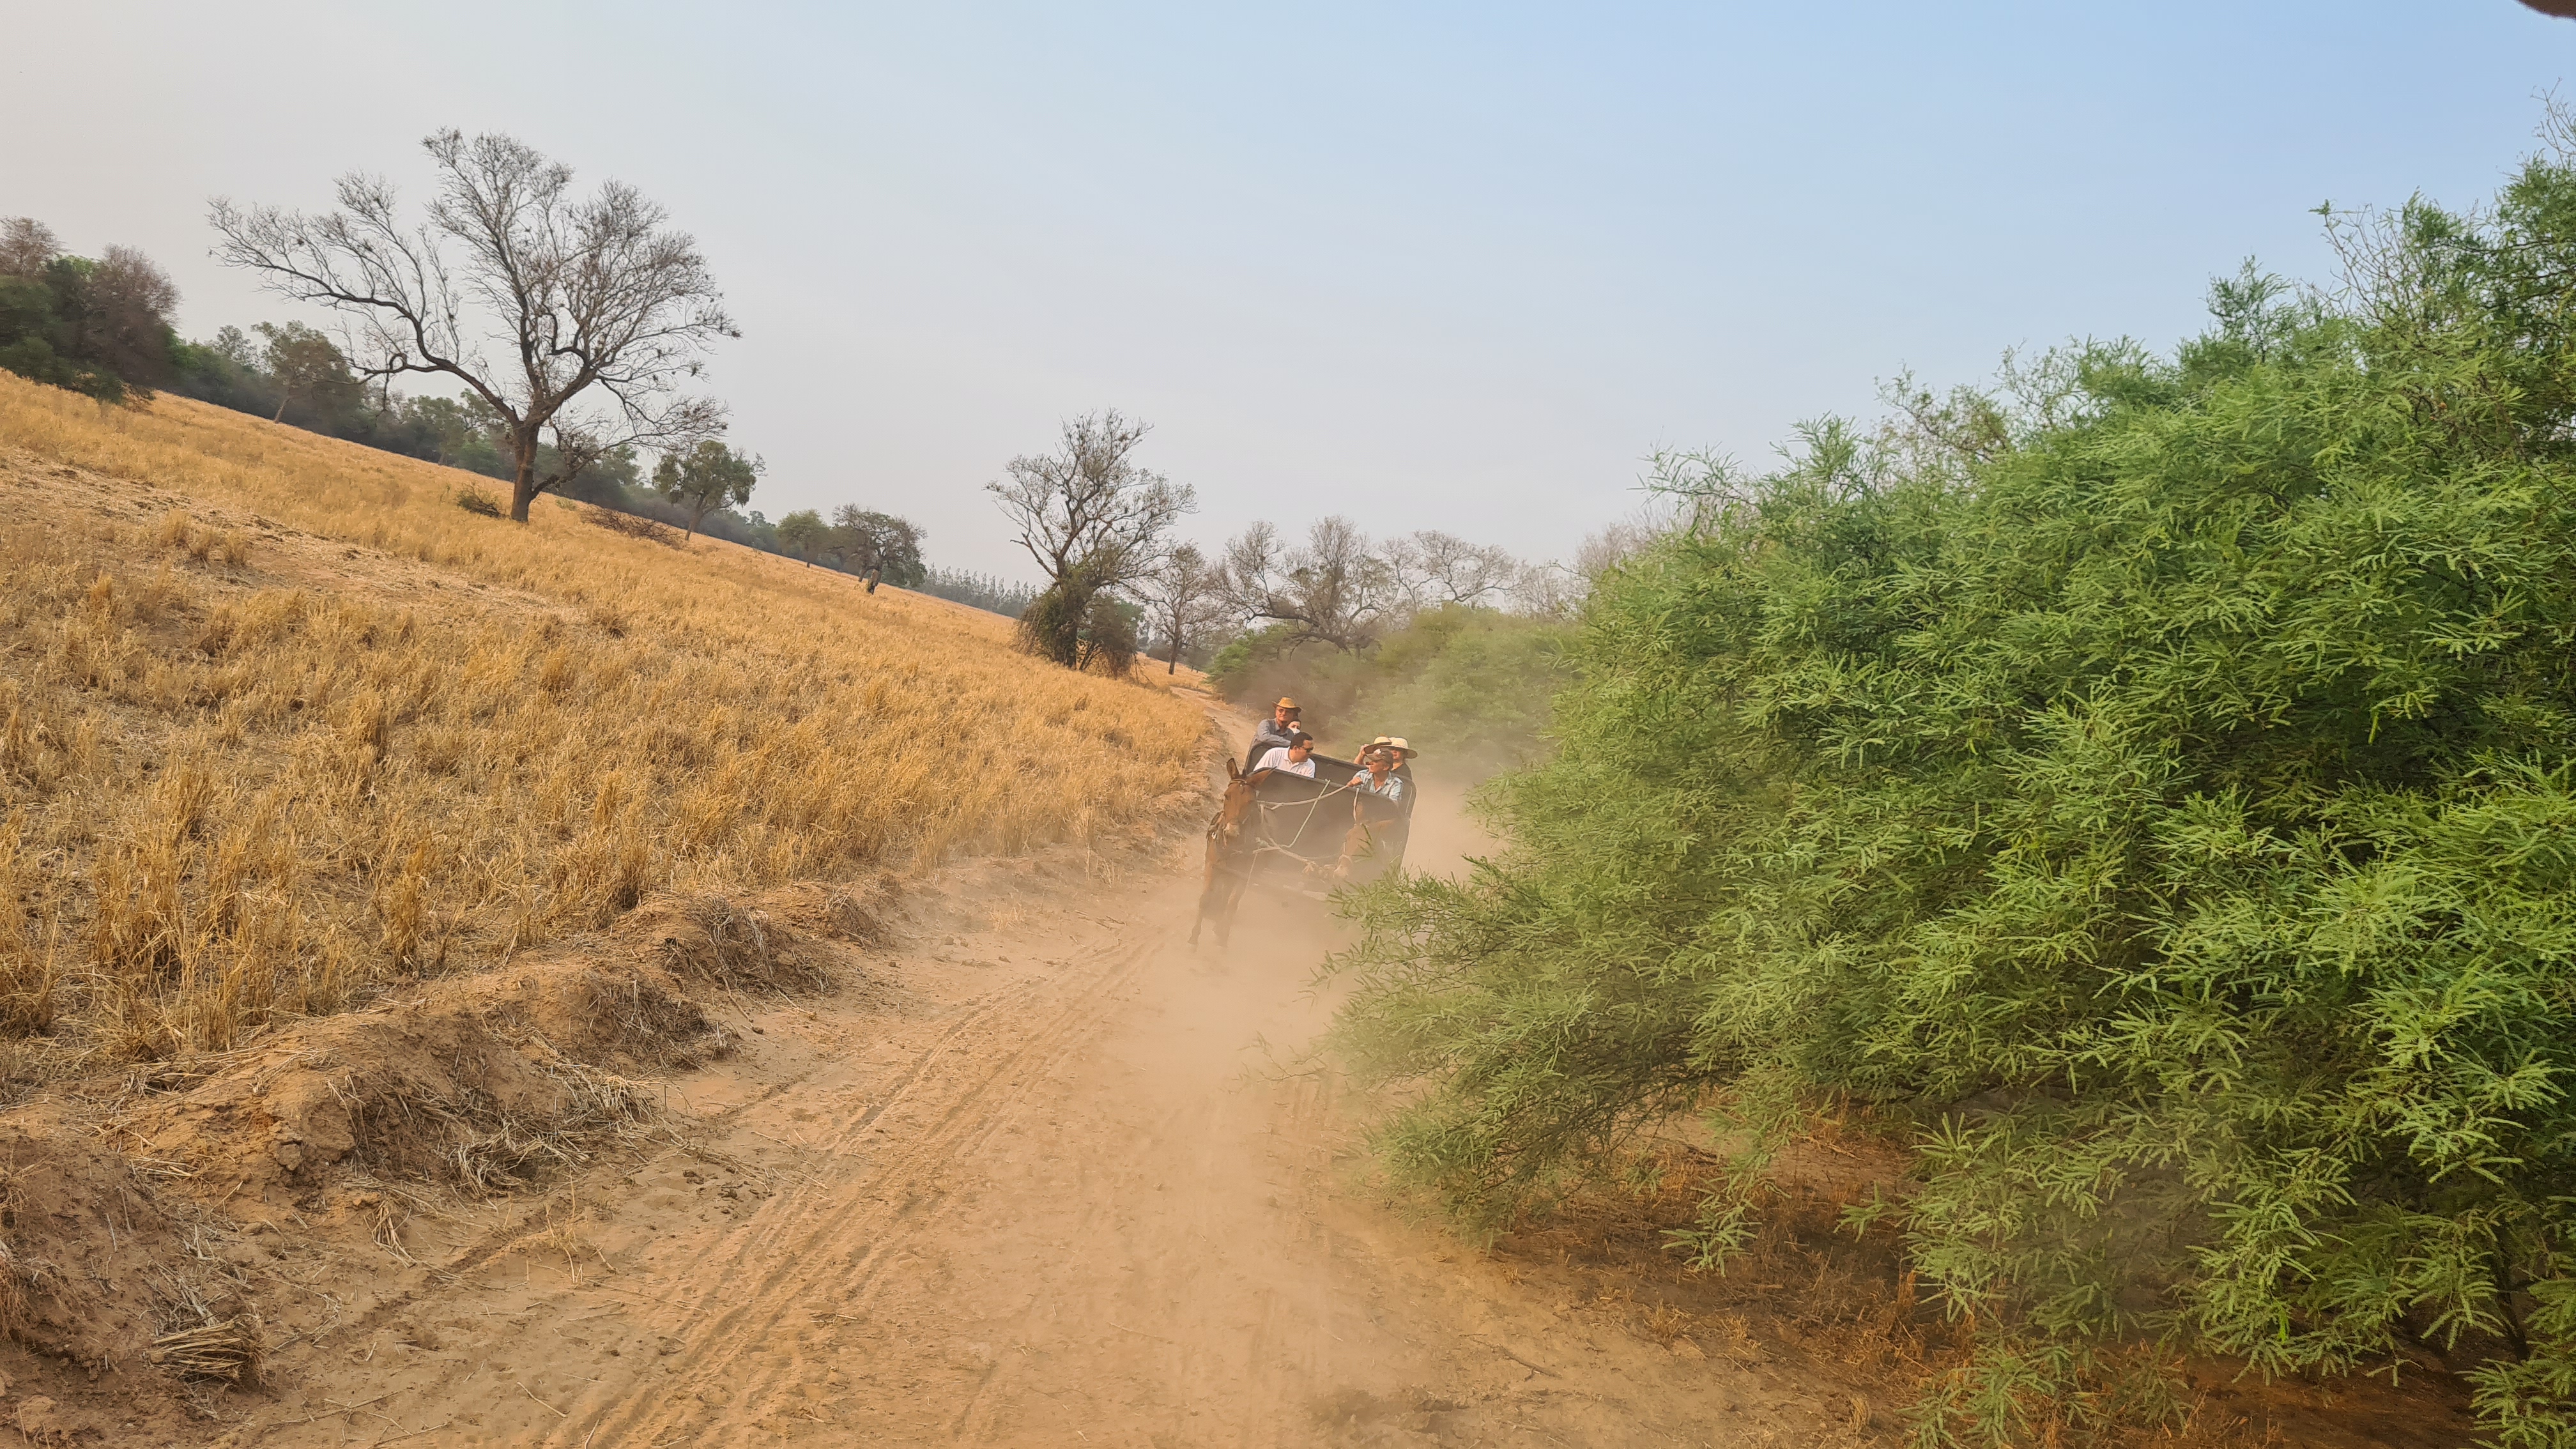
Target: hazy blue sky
<point>1455,267</point>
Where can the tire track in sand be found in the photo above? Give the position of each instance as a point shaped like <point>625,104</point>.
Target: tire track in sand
<point>1198,1301</point>
<point>824,1243</point>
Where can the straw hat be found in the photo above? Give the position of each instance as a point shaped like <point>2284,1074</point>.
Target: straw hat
<point>1390,742</point>
<point>1287,704</point>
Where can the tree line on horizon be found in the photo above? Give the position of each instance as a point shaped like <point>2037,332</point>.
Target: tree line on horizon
<point>608,301</point>
<point>101,327</point>
<point>1103,531</point>
<point>604,314</point>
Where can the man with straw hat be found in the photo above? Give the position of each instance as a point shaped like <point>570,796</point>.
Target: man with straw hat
<point>1273,733</point>
<point>1384,760</point>
<point>1394,744</point>
<point>1382,816</point>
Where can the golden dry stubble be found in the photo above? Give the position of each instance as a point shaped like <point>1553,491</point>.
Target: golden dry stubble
<point>281,725</point>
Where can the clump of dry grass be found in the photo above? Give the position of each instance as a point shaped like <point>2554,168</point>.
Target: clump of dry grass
<point>649,529</point>
<point>307,729</point>
<point>735,948</point>
<point>495,1152</point>
<point>227,1350</point>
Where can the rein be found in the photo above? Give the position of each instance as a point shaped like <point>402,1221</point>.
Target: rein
<point>1265,839</point>
<point>1311,807</point>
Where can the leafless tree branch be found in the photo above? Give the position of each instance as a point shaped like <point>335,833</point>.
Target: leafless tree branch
<point>576,293</point>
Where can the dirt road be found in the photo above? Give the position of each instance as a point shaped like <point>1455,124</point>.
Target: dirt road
<point>1050,1177</point>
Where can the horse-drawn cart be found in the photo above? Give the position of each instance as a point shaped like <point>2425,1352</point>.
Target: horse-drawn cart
<point>1300,834</point>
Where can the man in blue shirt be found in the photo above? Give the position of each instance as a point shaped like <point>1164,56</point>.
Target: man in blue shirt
<point>1381,759</point>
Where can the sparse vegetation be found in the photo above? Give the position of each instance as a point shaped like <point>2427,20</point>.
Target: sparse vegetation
<point>307,728</point>
<point>634,526</point>
<point>988,592</point>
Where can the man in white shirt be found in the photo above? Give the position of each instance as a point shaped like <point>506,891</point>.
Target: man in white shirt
<point>1297,758</point>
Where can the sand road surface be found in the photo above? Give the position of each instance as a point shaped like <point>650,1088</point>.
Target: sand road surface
<point>1055,1179</point>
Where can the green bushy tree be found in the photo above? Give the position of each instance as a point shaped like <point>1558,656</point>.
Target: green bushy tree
<point>803,534</point>
<point>2152,794</point>
<point>95,326</point>
<point>879,545</point>
<point>311,375</point>
<point>704,476</point>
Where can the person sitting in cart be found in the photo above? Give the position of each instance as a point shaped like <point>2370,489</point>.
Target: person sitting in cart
<point>1383,755</point>
<point>1272,733</point>
<point>1395,748</point>
<point>1297,757</point>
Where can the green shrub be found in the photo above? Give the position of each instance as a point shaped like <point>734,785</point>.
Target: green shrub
<point>1081,625</point>
<point>2157,800</point>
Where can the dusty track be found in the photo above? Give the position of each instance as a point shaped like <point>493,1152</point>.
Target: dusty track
<point>1055,1180</point>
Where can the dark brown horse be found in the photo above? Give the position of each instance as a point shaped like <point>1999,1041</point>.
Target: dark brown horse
<point>1233,844</point>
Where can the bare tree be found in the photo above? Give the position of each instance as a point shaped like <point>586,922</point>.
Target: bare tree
<point>1607,548</point>
<point>1332,587</point>
<point>1432,568</point>
<point>573,293</point>
<point>1093,520</point>
<point>1549,590</point>
<point>26,244</point>
<point>1087,507</point>
<point>1185,593</point>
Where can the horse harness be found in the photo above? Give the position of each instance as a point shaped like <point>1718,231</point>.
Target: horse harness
<point>1270,808</point>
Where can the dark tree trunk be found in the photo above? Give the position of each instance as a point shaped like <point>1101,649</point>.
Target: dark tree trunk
<point>523,485</point>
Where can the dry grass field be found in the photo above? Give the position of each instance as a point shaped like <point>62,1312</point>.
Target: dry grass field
<point>282,726</point>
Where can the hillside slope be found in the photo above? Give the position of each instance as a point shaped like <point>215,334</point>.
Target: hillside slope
<point>363,857</point>
<point>280,723</point>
